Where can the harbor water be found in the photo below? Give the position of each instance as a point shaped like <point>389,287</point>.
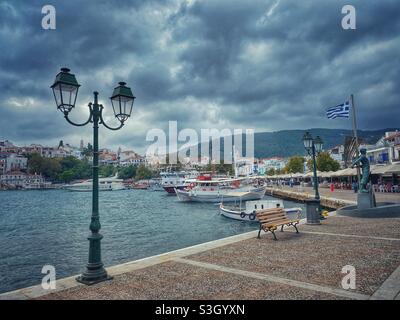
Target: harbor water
<point>40,228</point>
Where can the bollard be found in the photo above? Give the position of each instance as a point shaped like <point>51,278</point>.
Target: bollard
<point>313,211</point>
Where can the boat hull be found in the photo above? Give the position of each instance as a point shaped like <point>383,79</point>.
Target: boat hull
<point>184,195</point>
<point>89,188</point>
<point>250,217</point>
<point>171,189</point>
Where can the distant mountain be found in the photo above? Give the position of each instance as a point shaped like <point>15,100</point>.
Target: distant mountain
<point>287,143</point>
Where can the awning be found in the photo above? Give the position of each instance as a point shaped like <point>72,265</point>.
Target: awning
<point>326,174</point>
<point>393,168</point>
<point>344,172</point>
<point>379,169</point>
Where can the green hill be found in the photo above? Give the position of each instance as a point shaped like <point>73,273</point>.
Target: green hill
<point>288,143</point>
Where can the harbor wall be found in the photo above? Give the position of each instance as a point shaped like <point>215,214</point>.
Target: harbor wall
<point>327,202</point>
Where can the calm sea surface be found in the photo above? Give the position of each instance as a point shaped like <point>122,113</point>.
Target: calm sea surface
<point>40,228</point>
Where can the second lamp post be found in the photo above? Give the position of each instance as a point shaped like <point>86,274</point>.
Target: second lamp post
<point>313,148</point>
<point>65,90</point>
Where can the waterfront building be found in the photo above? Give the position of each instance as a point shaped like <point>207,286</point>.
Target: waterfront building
<point>2,163</point>
<point>386,150</point>
<point>33,148</point>
<point>12,162</point>
<point>15,179</point>
<point>107,157</point>
<point>276,163</point>
<point>8,146</point>
<point>18,179</point>
<point>337,153</point>
<point>134,160</point>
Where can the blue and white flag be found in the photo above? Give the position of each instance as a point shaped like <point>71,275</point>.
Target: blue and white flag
<point>340,111</point>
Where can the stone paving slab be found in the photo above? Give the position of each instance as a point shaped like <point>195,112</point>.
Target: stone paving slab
<point>175,281</point>
<point>312,258</point>
<point>385,227</point>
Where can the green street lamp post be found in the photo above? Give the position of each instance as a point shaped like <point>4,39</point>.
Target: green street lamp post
<point>65,90</point>
<point>313,148</point>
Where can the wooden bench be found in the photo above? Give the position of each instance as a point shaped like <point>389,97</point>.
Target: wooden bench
<point>271,219</point>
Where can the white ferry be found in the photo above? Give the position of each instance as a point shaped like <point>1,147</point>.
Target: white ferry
<point>105,184</point>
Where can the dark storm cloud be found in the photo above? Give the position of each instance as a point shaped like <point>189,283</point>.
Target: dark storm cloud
<point>266,65</point>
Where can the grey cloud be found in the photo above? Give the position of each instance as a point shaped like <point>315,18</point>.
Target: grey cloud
<point>203,63</point>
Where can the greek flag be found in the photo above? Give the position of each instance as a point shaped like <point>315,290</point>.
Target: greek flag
<point>340,111</point>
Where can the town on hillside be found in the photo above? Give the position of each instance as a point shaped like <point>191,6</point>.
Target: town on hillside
<point>19,168</point>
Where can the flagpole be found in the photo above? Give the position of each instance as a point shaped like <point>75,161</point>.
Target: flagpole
<point>353,109</point>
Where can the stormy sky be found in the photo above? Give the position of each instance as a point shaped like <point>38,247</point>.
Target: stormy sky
<point>267,65</point>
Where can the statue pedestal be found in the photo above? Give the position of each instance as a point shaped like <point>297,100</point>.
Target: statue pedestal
<point>366,200</point>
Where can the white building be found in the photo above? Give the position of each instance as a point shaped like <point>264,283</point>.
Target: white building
<point>276,163</point>
<point>386,150</point>
<point>12,162</point>
<point>337,153</point>
<point>2,163</point>
<point>135,160</point>
<point>22,180</point>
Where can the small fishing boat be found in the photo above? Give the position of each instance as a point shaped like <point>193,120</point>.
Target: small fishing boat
<point>140,186</point>
<point>246,210</point>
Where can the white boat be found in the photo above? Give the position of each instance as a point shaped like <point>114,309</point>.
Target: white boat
<point>105,184</point>
<point>246,210</point>
<point>176,180</point>
<point>218,190</point>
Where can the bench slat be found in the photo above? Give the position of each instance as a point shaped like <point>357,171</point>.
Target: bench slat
<point>264,221</point>
<point>270,211</point>
<point>278,223</point>
<point>270,216</point>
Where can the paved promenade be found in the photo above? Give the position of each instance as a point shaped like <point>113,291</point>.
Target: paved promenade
<point>307,265</point>
<point>348,195</point>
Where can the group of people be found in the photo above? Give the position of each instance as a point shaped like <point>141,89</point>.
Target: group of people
<point>386,187</point>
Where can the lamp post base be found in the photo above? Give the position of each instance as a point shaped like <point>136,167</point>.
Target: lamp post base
<point>95,271</point>
<point>313,211</point>
<point>90,277</point>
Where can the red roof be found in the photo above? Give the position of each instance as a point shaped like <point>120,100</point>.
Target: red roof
<point>394,135</point>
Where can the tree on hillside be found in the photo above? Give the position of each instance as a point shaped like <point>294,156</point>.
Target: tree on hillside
<point>88,151</point>
<point>35,163</point>
<point>143,173</point>
<point>69,162</point>
<point>127,172</point>
<point>67,176</point>
<point>295,164</point>
<point>107,171</point>
<point>325,162</point>
<point>49,167</point>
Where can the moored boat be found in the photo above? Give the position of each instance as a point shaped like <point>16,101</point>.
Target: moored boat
<point>207,190</point>
<point>105,184</point>
<point>176,180</point>
<point>246,210</point>
<point>140,186</point>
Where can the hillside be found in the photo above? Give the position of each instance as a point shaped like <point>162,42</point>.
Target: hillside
<point>287,143</point>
